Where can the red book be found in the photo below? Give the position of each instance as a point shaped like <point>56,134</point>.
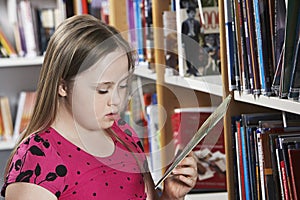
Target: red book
<point>294,157</point>
<point>210,151</point>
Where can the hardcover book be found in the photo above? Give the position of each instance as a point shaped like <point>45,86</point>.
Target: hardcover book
<point>207,144</point>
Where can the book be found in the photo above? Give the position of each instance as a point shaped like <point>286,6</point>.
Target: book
<point>252,51</point>
<point>197,38</point>
<point>45,26</point>
<point>279,28</point>
<point>25,15</point>
<point>294,156</point>
<point>283,141</point>
<point>295,79</point>
<point>24,112</point>
<point>6,123</point>
<point>290,39</point>
<point>230,44</point>
<point>263,43</point>
<point>210,155</point>
<point>7,45</point>
<point>201,134</point>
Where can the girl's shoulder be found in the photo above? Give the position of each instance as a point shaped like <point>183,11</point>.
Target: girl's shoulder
<point>37,161</point>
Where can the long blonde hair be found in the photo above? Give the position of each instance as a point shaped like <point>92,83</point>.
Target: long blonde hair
<point>78,43</point>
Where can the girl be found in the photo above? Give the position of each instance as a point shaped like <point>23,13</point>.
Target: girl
<point>76,146</point>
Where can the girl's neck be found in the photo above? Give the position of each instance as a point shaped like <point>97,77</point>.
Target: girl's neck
<point>95,142</point>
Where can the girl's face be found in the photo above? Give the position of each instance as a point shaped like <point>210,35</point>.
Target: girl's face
<point>99,93</point>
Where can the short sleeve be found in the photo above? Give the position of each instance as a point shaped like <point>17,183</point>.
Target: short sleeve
<point>36,161</point>
<point>130,135</point>
<point>129,131</point>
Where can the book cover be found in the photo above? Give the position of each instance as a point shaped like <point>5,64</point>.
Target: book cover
<point>290,39</point>
<point>24,112</point>
<point>211,124</point>
<point>211,155</point>
<point>197,38</point>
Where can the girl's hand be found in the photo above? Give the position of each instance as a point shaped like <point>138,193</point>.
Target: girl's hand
<point>182,180</point>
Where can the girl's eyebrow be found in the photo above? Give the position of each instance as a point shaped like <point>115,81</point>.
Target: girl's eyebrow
<point>111,82</point>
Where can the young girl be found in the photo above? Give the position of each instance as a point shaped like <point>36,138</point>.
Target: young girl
<point>76,146</point>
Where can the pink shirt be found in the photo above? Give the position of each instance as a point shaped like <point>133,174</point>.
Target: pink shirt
<point>49,160</point>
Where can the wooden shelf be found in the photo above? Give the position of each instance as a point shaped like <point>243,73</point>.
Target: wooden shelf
<point>207,84</point>
<point>208,196</point>
<point>21,61</point>
<point>269,102</point>
<point>6,145</point>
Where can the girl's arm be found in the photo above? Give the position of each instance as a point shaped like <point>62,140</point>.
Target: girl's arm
<point>27,191</point>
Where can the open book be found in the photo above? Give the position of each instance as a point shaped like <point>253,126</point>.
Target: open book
<point>206,127</point>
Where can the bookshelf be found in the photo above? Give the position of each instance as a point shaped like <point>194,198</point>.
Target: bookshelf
<point>244,103</point>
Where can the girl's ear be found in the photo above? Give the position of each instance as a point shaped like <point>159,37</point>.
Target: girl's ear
<point>62,89</point>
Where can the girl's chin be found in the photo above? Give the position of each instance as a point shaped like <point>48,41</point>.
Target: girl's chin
<point>107,124</point>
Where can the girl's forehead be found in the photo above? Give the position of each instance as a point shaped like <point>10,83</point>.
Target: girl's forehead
<point>110,67</point>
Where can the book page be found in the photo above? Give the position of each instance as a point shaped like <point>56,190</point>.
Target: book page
<point>207,126</point>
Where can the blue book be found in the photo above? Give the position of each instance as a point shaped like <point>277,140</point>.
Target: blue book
<point>139,29</point>
<point>230,44</point>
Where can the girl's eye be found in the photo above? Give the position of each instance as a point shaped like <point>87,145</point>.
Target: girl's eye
<point>123,86</point>
<point>102,91</point>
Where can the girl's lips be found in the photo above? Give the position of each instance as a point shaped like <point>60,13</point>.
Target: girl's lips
<point>112,115</point>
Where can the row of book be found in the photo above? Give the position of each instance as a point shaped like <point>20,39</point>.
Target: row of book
<point>266,147</point>
<point>262,43</point>
<point>10,128</point>
<point>34,23</point>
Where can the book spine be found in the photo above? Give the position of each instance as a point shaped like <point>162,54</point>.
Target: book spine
<point>27,22</point>
<point>295,79</point>
<point>138,29</point>
<point>245,164</point>
<point>7,45</point>
<point>279,157</point>
<point>248,48</point>
<point>276,180</point>
<point>259,44</point>
<point>236,44</point>
<point>261,164</point>
<point>293,7</point>
<point>229,44</point>
<point>253,47</point>
<point>241,164</point>
<point>244,63</point>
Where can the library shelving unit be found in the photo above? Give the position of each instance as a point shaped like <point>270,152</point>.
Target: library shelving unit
<point>243,103</point>
<point>21,74</point>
